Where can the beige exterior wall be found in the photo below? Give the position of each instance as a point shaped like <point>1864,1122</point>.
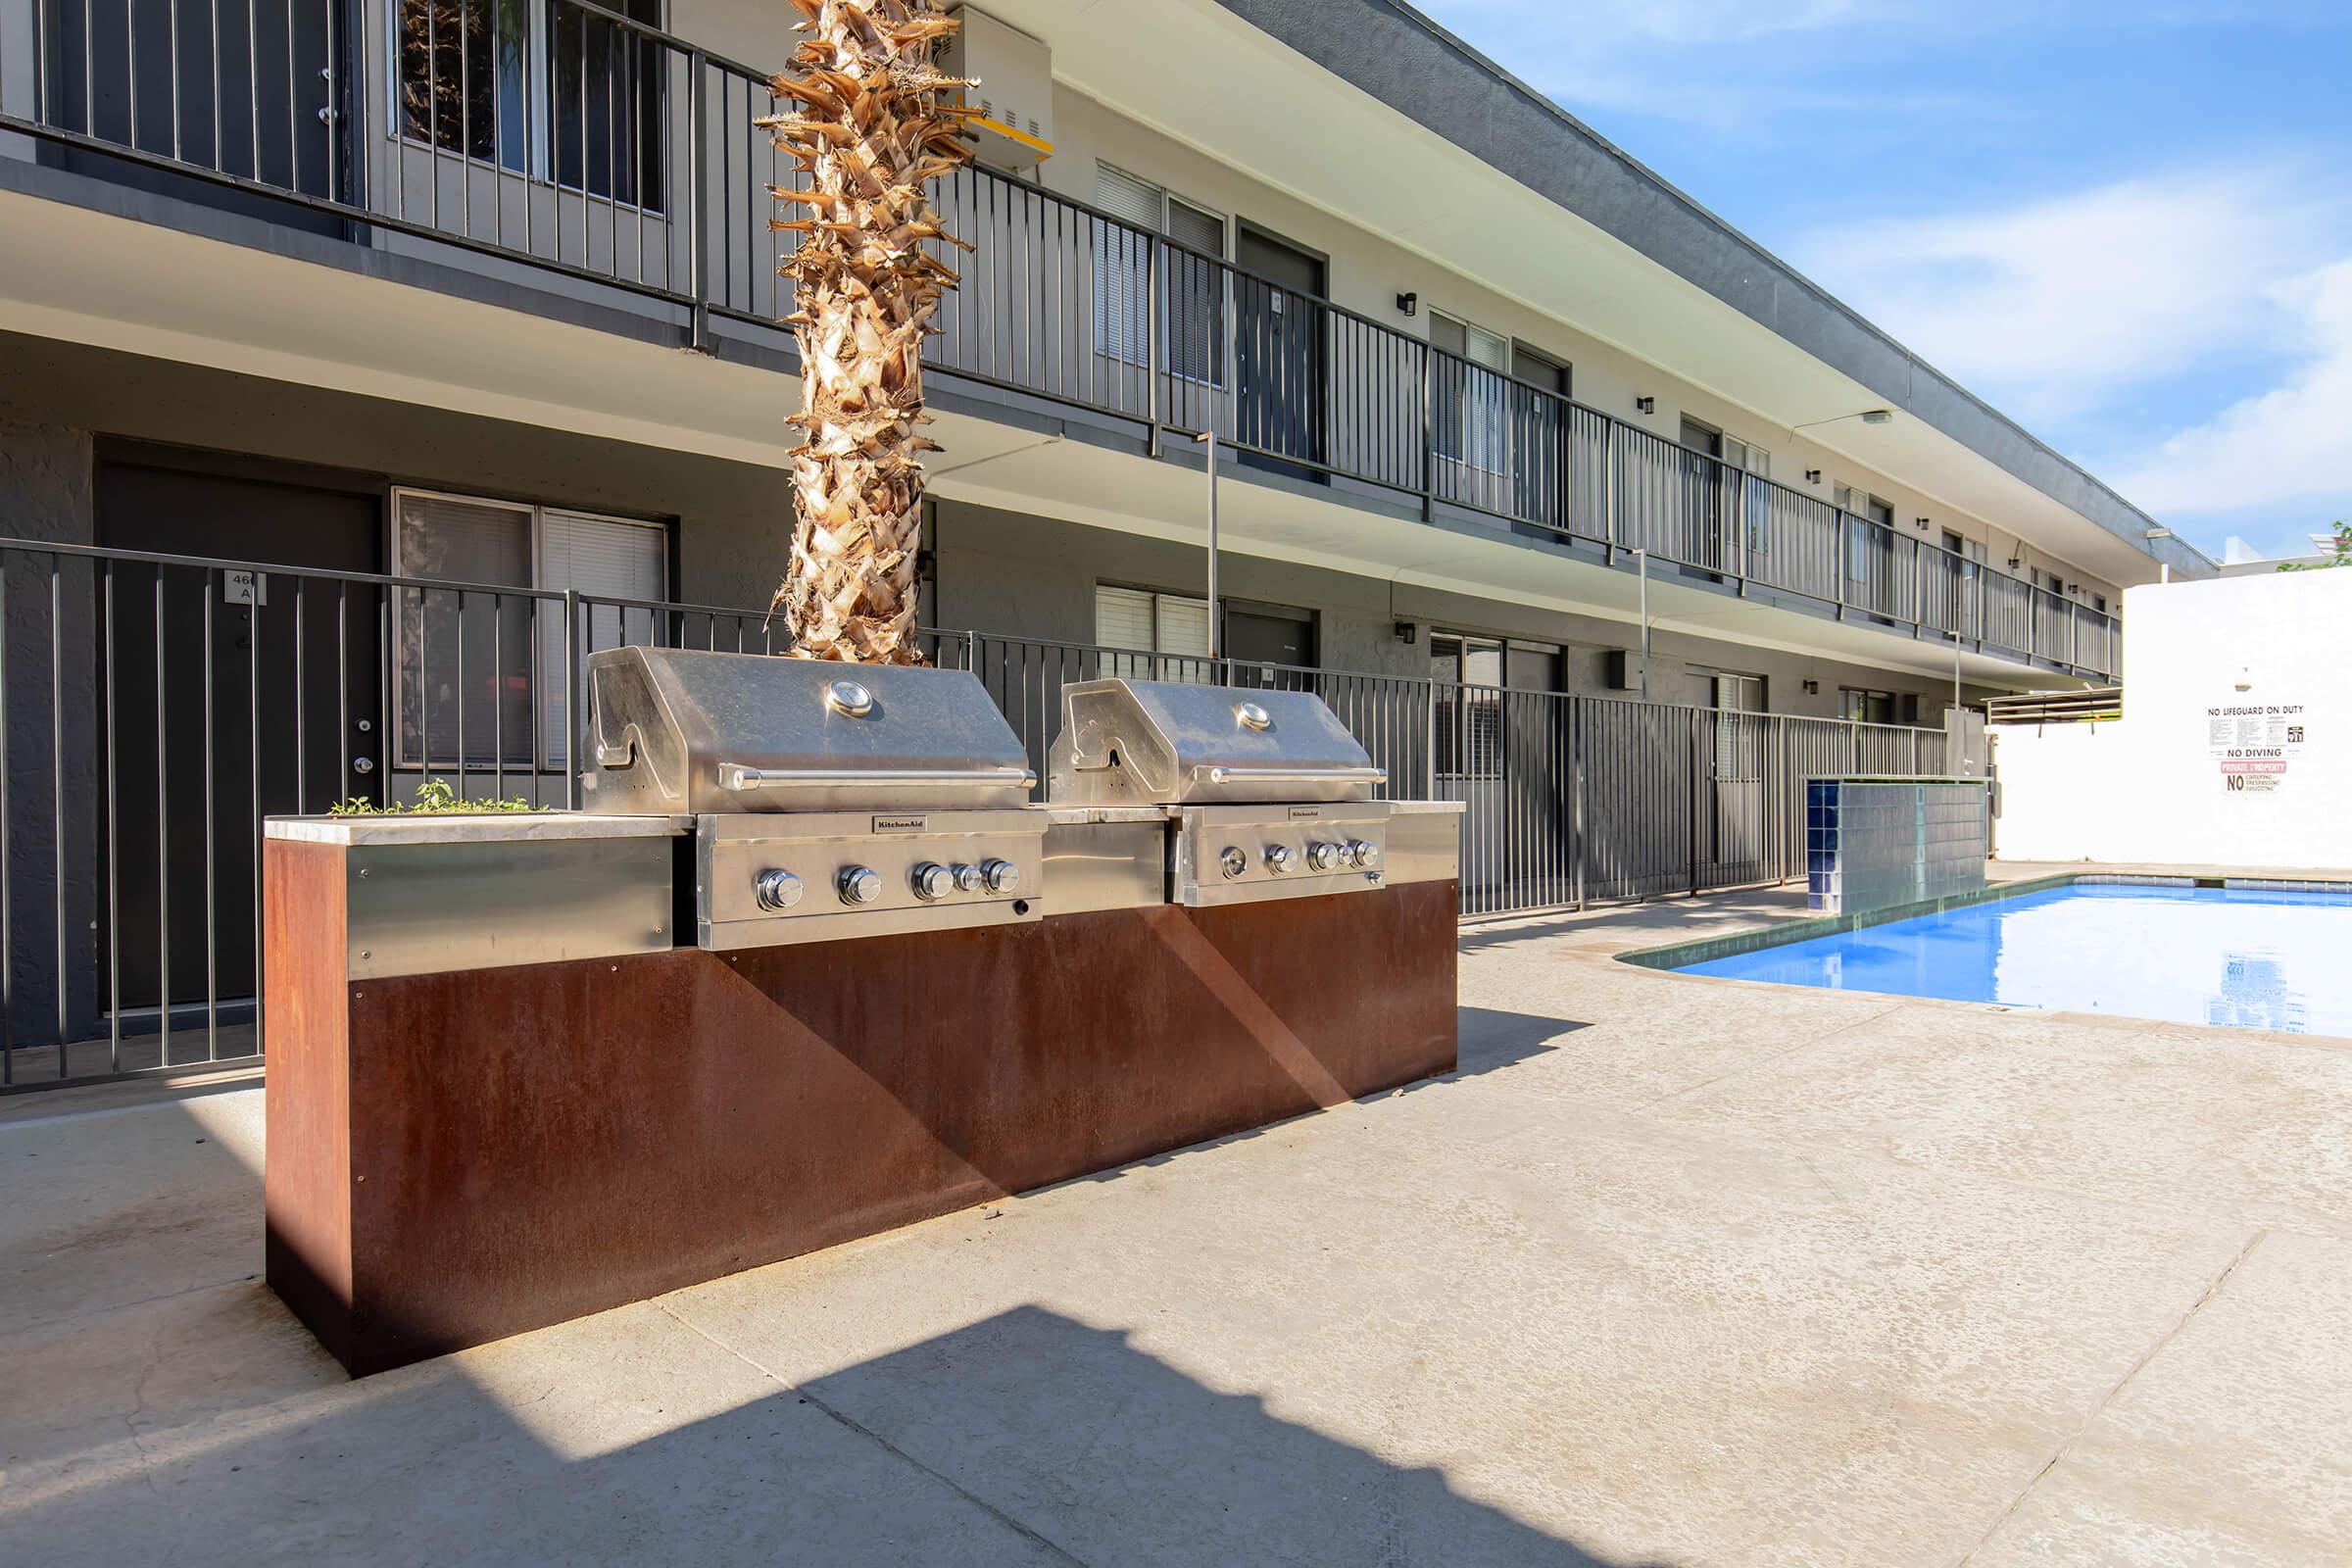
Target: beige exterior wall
<point>1366,272</point>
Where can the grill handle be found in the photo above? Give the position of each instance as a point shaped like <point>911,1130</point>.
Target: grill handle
<point>736,776</point>
<point>1297,775</point>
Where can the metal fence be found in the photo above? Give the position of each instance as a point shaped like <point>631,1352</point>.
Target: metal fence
<point>155,709</point>
<point>567,135</point>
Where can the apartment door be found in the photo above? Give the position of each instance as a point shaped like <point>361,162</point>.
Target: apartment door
<point>278,672</point>
<point>1539,458</point>
<point>241,90</point>
<point>1704,538</point>
<point>1268,636</point>
<point>1732,752</point>
<point>1278,353</point>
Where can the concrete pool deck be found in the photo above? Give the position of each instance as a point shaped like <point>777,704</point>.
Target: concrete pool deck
<point>1673,1271</point>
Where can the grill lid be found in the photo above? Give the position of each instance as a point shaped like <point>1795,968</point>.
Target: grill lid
<point>675,730</point>
<point>1159,743</point>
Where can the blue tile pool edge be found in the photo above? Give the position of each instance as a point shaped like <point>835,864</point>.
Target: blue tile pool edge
<point>1683,954</point>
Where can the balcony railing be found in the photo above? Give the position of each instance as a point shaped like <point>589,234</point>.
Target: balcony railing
<point>591,144</point>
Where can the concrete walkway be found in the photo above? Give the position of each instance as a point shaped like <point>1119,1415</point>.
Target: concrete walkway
<point>1674,1271</point>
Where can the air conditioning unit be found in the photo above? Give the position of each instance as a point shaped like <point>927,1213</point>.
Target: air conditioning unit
<point>1015,92</point>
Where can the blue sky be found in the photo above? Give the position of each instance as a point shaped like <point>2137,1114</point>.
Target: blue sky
<point>2129,226</point>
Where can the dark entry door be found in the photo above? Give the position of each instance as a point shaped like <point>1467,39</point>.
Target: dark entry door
<point>293,721</point>
<point>1272,639</point>
<point>1278,350</point>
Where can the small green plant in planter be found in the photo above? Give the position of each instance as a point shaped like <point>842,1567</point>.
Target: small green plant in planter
<point>435,798</point>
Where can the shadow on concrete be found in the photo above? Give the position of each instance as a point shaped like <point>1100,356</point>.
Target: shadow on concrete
<point>1491,1039</point>
<point>1025,1438</point>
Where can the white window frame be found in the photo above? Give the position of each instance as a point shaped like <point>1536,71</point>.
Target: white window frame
<point>1153,662</point>
<point>1485,407</point>
<point>1104,268</point>
<point>396,721</point>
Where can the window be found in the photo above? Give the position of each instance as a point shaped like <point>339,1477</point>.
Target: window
<point>1472,394</point>
<point>1471,673</point>
<point>1741,694</point>
<point>1869,550</point>
<point>544,87</point>
<point>1195,289</point>
<point>467,692</point>
<point>1878,707</point>
<point>1140,623</point>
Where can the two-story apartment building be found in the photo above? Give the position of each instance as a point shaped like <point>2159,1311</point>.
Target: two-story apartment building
<point>483,292</point>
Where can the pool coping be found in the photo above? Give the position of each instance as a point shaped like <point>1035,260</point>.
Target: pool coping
<point>1675,956</point>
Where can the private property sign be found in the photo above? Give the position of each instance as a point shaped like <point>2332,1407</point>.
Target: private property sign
<point>2254,742</point>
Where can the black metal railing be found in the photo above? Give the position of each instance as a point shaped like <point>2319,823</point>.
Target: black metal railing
<point>156,708</point>
<point>583,140</point>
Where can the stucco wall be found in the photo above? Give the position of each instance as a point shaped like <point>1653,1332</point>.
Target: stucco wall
<point>2201,658</point>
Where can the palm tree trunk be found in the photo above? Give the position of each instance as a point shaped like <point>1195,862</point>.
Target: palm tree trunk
<point>875,124</point>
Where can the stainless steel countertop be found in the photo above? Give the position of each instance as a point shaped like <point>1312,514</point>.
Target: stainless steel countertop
<point>484,827</point>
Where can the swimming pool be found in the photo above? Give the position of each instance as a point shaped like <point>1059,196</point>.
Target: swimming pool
<point>2236,957</point>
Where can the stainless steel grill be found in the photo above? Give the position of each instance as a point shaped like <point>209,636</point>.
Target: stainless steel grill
<point>1269,795</point>
<point>827,802</point>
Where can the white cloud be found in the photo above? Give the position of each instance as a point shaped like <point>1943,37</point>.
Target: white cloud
<point>2057,306</point>
<point>2293,442</point>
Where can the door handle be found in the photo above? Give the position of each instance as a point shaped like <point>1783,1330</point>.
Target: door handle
<point>362,766</point>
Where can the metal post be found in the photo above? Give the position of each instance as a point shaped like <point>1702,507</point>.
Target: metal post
<point>1608,491</point>
<point>1641,565</point>
<point>574,725</point>
<point>697,158</point>
<point>1838,562</point>
<point>1215,642</point>
<point>1429,432</point>
<point>1152,282</point>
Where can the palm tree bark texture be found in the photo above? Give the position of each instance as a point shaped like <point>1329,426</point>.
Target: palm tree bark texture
<point>872,123</point>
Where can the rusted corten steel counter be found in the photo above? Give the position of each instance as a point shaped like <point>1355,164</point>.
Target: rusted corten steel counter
<point>466,1153</point>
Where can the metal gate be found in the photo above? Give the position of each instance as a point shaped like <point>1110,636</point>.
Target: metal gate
<point>155,708</point>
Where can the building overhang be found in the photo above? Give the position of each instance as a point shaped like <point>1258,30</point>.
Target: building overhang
<point>1373,113</point>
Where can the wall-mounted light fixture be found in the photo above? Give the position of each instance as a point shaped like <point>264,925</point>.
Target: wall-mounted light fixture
<point>1406,631</point>
<point>1646,405</point>
<point>1812,477</point>
<point>1812,688</point>
<point>1922,523</point>
<point>1408,304</point>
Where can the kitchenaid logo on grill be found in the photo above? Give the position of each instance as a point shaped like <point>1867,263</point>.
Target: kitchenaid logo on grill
<point>1305,813</point>
<point>902,824</point>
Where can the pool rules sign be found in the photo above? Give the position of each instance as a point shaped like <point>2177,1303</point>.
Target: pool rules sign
<point>2254,743</point>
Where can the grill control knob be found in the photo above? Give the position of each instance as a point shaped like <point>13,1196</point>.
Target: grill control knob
<point>968,879</point>
<point>1323,857</point>
<point>1362,854</point>
<point>1232,861</point>
<point>1001,876</point>
<point>777,889</point>
<point>859,884</point>
<point>932,881</point>
<point>1281,857</point>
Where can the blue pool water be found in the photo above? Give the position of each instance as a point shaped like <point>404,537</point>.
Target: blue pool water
<point>2208,956</point>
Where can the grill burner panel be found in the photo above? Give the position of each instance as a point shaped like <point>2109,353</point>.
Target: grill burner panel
<point>740,902</point>
<point>1245,854</point>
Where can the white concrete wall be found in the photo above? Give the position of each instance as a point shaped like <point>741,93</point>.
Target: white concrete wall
<point>2200,661</point>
